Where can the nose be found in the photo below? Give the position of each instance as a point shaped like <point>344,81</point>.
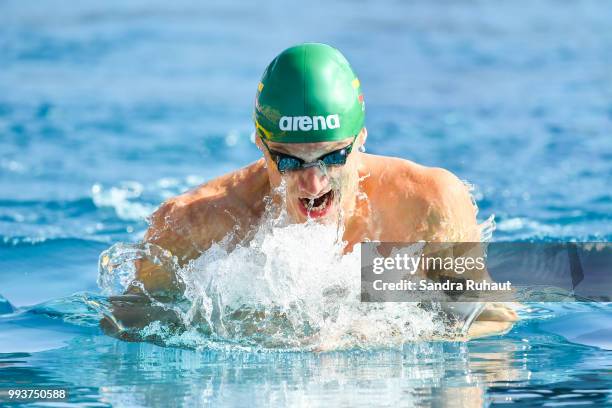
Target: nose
<point>312,181</point>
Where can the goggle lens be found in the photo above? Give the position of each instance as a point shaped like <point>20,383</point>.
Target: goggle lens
<point>286,163</point>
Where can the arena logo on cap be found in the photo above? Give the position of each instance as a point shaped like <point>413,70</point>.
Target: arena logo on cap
<point>306,123</point>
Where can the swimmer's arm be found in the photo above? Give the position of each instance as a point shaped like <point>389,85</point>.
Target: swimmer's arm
<point>155,275</point>
<point>452,214</point>
<point>496,318</point>
<point>454,220</point>
<point>190,223</point>
<point>183,227</point>
<point>451,218</point>
<point>169,245</point>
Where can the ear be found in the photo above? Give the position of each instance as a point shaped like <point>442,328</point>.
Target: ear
<point>258,143</point>
<point>262,148</point>
<point>363,136</point>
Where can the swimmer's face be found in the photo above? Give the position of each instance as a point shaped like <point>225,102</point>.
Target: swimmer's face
<point>315,192</point>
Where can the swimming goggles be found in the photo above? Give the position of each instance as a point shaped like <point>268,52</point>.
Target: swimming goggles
<point>285,162</point>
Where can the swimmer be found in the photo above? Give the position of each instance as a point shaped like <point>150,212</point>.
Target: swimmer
<point>309,125</point>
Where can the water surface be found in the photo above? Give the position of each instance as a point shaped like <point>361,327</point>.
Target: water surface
<point>108,109</point>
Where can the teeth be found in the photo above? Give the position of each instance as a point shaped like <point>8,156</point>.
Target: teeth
<point>309,203</point>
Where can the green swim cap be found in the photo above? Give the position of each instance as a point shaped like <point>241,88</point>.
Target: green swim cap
<point>309,93</point>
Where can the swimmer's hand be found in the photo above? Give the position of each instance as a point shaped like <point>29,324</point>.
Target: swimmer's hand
<point>155,274</point>
<point>495,319</point>
<point>130,312</point>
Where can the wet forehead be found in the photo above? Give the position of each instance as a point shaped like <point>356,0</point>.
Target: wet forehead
<point>309,151</point>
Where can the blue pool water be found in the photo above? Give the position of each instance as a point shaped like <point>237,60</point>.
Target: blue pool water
<point>108,109</point>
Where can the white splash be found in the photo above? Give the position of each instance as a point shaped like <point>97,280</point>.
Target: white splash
<point>290,286</point>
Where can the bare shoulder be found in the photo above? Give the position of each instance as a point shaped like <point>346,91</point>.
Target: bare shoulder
<point>233,183</point>
<point>443,187</point>
<point>409,179</point>
<point>434,198</point>
<point>188,223</point>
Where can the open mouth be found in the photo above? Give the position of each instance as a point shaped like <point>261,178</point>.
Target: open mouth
<point>319,206</point>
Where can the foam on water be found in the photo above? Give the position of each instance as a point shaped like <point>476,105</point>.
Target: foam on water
<point>292,286</point>
<point>120,198</point>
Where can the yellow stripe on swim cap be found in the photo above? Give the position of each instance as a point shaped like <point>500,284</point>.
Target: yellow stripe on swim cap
<point>260,87</point>
<point>355,83</point>
<point>265,133</point>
